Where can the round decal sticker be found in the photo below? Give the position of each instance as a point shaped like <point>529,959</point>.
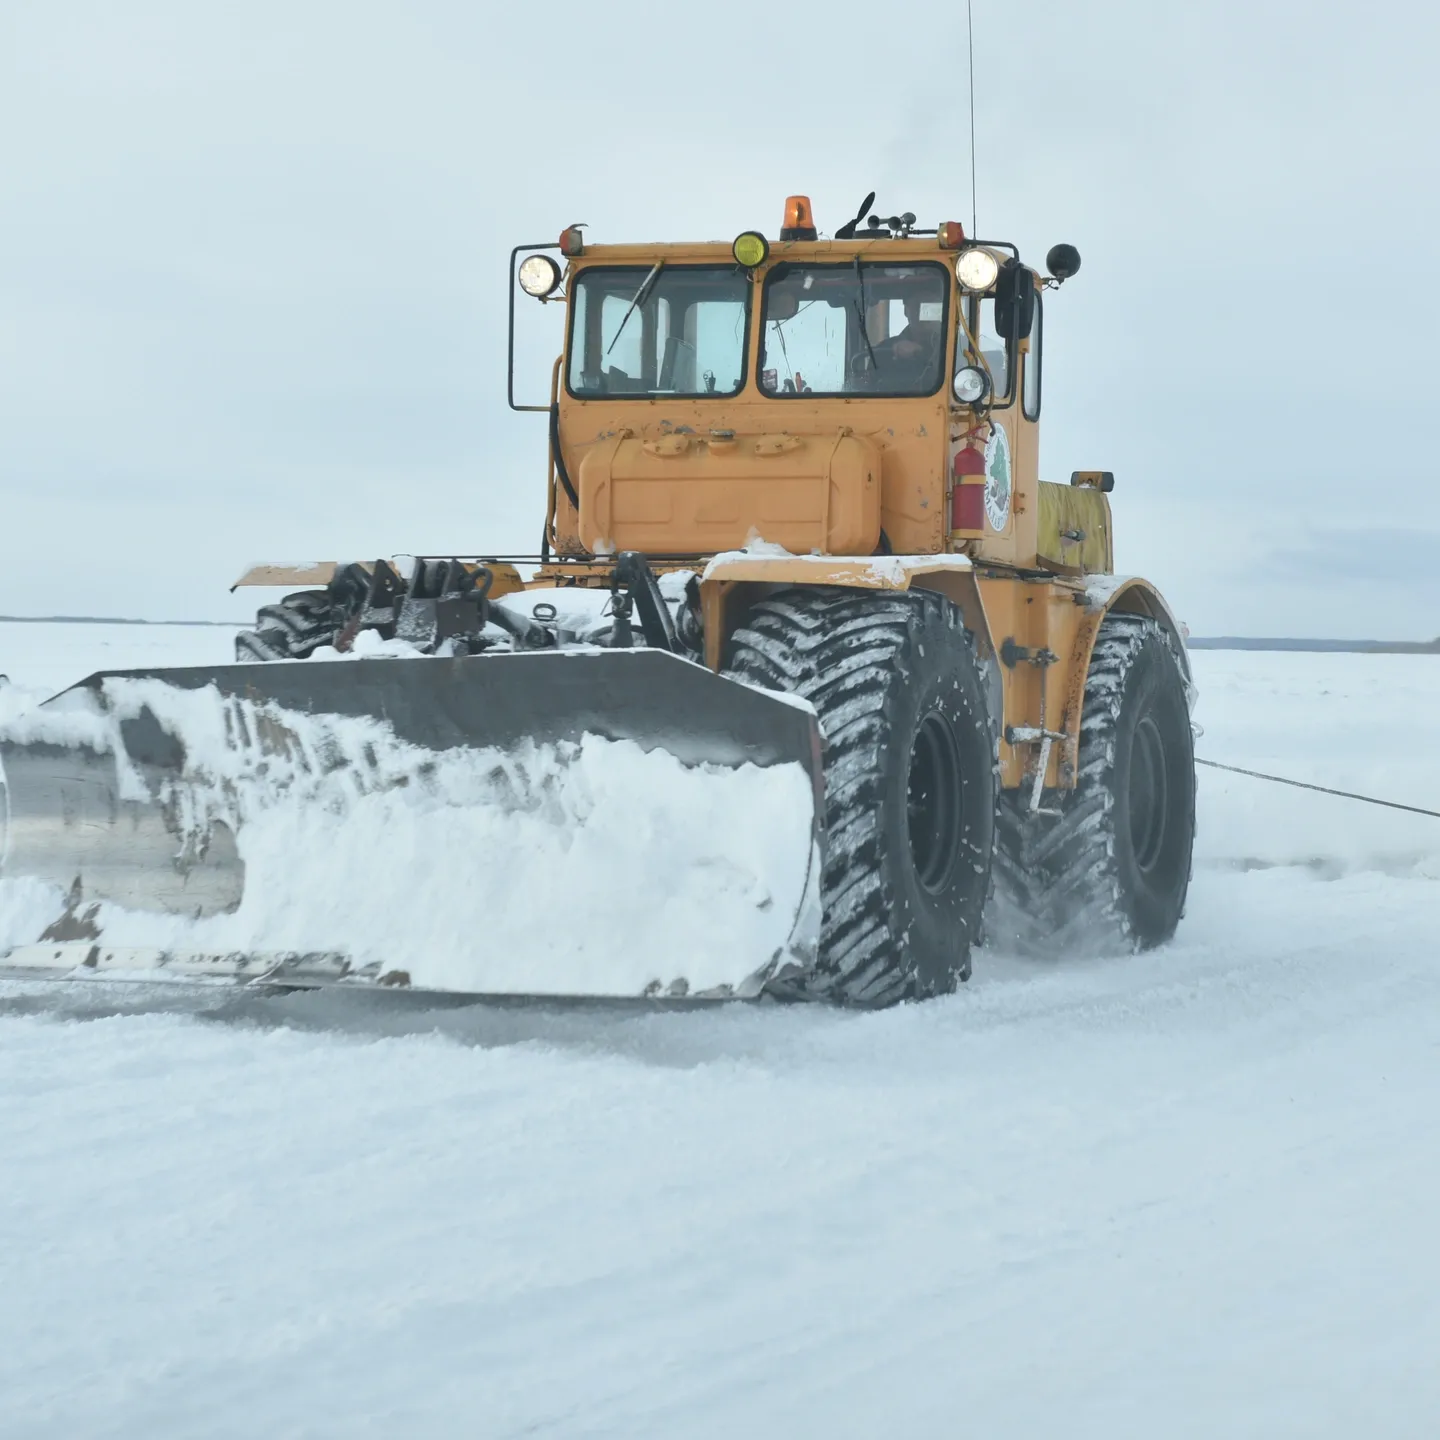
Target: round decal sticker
<point>997,478</point>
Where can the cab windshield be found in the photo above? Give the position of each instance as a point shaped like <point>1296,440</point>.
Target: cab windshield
<point>642,330</point>
<point>854,329</point>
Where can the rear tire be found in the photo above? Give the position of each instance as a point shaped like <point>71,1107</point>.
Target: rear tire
<point>292,630</point>
<point>909,782</point>
<point>1112,871</point>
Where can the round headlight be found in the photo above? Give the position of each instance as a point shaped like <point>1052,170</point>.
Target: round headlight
<point>971,385</point>
<point>539,275</point>
<point>977,269</point>
<point>750,249</point>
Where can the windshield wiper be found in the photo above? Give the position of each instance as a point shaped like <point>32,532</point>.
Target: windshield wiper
<point>860,311</point>
<point>639,299</point>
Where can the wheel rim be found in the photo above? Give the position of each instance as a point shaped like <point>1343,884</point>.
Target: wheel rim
<point>933,807</point>
<point>1149,796</point>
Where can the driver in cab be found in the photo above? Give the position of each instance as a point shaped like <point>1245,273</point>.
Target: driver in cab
<point>919,341</point>
<point>914,349</point>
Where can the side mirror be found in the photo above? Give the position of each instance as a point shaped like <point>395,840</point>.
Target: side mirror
<point>1015,300</point>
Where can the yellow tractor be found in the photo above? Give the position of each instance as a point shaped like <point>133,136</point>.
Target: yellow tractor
<point>794,519</point>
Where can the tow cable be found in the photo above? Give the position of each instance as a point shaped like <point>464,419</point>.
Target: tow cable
<point>1322,789</point>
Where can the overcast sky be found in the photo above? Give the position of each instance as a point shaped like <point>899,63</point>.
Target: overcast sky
<point>253,266</point>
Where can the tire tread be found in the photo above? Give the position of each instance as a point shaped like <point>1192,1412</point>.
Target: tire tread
<point>1058,889</point>
<point>843,651</point>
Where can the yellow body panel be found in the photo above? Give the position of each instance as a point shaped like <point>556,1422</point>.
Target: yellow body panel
<point>876,572</point>
<point>1074,529</point>
<point>310,572</point>
<point>844,440</point>
<point>683,492</point>
<point>505,579</point>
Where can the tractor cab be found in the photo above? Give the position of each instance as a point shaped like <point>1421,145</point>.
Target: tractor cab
<point>875,392</point>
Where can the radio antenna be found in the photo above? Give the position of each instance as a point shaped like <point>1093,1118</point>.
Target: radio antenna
<point>970,37</point>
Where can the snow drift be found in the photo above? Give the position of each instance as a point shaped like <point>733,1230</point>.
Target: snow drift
<point>592,867</point>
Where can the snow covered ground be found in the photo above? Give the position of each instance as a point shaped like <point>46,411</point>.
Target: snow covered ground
<point>1184,1194</point>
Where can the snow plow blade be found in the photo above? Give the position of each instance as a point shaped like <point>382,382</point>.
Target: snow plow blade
<point>607,823</point>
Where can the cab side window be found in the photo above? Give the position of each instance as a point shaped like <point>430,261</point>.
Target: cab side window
<point>1030,394</point>
<point>994,352</point>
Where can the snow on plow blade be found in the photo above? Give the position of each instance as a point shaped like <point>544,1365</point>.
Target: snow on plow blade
<point>607,823</point>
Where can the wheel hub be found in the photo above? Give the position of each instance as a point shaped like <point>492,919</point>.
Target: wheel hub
<point>933,803</point>
<point>1149,795</point>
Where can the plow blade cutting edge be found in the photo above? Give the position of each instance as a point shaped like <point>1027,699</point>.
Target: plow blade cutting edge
<point>602,823</point>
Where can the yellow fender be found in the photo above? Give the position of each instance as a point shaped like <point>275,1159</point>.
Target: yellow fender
<point>996,607</point>
<point>952,575</point>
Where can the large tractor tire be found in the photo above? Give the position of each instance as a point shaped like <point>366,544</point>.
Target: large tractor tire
<point>1109,873</point>
<point>291,630</point>
<point>909,782</point>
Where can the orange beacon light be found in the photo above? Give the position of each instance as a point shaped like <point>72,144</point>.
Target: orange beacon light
<point>799,219</point>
